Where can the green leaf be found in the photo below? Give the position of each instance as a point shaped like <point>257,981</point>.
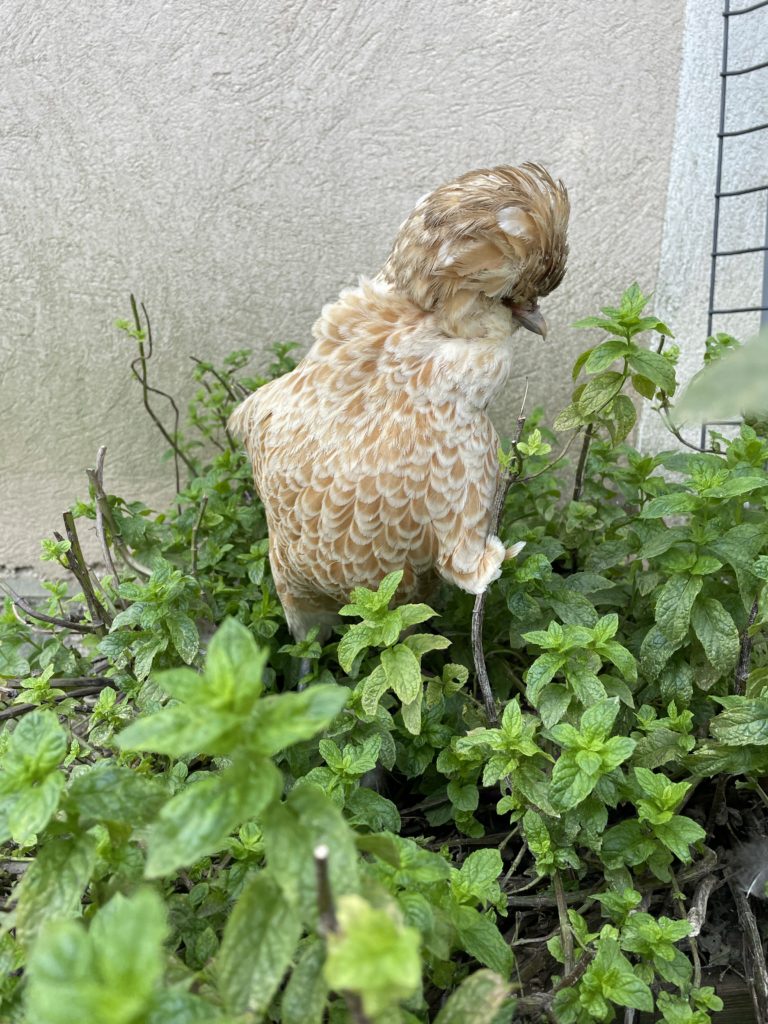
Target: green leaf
<point>356,639</point>
<point>613,976</point>
<point>655,652</point>
<point>737,485</point>
<point>627,989</point>
<point>108,974</point>
<point>37,746</point>
<point>411,614</point>
<point>306,993</point>
<point>585,685</point>
<point>372,601</point>
<point>112,792</point>
<point>626,843</point>
<point>569,418</point>
<point>596,321</point>
<point>372,810</point>
<point>670,505</point>
<point>372,689</point>
<point>463,796</point>
<point>31,807</point>
<point>179,730</point>
<point>249,972</point>
<point>580,361</point>
<point>597,721</point>
<point>717,633</point>
<point>599,391</point>
<point>421,643</point>
<point>198,820</point>
<point>623,418</point>
<point>480,937</point>
<point>411,713</point>
<point>281,720</point>
<point>620,657</point>
<point>403,672</point>
<point>674,604</point>
<point>234,664</point>
<point>678,834</point>
<point>184,635</point>
<point>373,955</point>
<point>615,751</point>
<point>478,877</point>
<point>570,784</point>
<point>744,722</point>
<point>653,367</point>
<point>292,830</point>
<point>541,672</point>
<point>601,357</point>
<point>145,653</point>
<point>644,387</point>
<point>12,664</point>
<point>53,885</point>
<point>478,998</point>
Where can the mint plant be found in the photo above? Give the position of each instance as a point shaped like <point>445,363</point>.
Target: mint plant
<point>192,832</point>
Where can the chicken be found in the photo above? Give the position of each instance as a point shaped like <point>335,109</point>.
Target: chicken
<point>376,452</point>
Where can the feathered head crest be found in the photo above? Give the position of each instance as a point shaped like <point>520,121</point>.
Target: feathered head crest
<point>500,231</point>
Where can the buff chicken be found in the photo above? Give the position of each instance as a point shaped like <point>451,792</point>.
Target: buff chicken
<point>376,453</point>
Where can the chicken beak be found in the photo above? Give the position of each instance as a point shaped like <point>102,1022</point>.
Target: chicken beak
<point>530,318</point>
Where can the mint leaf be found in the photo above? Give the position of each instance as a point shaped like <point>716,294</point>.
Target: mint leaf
<point>374,955</point>
<point>716,632</point>
<point>248,972</point>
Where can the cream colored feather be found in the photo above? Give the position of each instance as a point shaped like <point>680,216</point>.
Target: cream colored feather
<point>376,452</point>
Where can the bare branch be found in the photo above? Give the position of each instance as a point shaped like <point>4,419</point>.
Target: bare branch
<point>81,571</point>
<point>679,901</point>
<point>328,924</point>
<point>566,935</point>
<point>578,484</point>
<point>755,968</point>
<point>104,508</point>
<point>506,477</point>
<point>195,529</point>
<point>67,682</point>
<point>541,1002</point>
<point>96,478</point>
<point>698,912</point>
<point>71,624</point>
<point>745,653</point>
<point>141,376</point>
<point>17,710</point>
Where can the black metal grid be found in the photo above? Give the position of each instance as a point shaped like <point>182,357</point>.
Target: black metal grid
<point>725,74</point>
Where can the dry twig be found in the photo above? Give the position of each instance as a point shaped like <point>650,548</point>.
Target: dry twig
<point>698,912</point>
<point>756,971</point>
<point>80,570</point>
<point>329,925</point>
<point>71,624</point>
<point>541,1002</point>
<point>195,530</point>
<point>745,652</point>
<point>578,483</point>
<point>566,935</point>
<point>506,479</point>
<point>140,372</point>
<point>17,710</point>
<point>96,478</point>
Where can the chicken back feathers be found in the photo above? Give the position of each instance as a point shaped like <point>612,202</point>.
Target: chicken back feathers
<point>376,452</point>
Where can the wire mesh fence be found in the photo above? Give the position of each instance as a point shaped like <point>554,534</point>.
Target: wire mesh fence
<point>729,163</point>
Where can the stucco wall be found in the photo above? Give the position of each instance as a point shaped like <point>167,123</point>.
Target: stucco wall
<point>235,164</point>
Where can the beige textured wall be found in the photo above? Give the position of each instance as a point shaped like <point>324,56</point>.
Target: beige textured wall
<point>235,163</point>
